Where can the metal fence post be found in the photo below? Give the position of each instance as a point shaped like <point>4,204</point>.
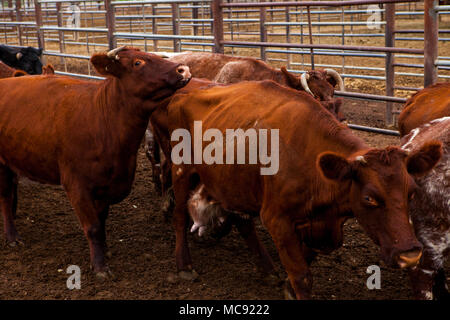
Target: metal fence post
<point>176,27</point>
<point>154,26</point>
<point>111,24</point>
<point>60,33</point>
<point>39,32</point>
<point>430,42</point>
<point>389,42</point>
<point>262,30</point>
<point>18,19</point>
<point>217,26</point>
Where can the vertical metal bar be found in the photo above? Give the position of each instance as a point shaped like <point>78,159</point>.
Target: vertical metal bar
<point>217,26</point>
<point>175,27</point>
<point>60,33</point>
<point>288,36</point>
<point>389,42</point>
<point>262,30</point>
<point>39,32</point>
<point>310,36</point>
<point>195,16</point>
<point>430,42</point>
<point>19,18</point>
<point>10,11</point>
<point>154,26</point>
<point>111,24</point>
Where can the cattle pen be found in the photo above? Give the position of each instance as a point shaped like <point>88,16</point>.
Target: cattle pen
<point>301,35</point>
<point>385,51</point>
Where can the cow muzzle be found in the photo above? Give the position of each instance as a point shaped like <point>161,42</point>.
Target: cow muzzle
<point>409,258</point>
<point>184,76</point>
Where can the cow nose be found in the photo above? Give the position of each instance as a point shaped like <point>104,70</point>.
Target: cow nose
<point>409,258</point>
<point>184,71</point>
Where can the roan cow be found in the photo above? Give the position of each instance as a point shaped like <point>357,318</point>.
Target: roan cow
<point>430,212</point>
<point>326,175</point>
<point>83,135</point>
<point>27,59</point>
<point>425,105</point>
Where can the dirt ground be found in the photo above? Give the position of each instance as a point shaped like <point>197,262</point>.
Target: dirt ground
<point>142,244</point>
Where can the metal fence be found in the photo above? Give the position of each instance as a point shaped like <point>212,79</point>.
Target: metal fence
<point>294,33</point>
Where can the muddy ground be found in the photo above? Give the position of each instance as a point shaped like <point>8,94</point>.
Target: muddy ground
<point>142,244</point>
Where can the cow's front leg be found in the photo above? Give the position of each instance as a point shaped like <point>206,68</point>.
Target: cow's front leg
<point>246,228</point>
<point>8,204</point>
<point>92,216</point>
<point>424,275</point>
<point>291,255</point>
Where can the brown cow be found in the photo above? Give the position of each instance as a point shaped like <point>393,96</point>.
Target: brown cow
<point>226,69</point>
<point>81,134</point>
<point>425,105</point>
<point>326,174</point>
<point>430,212</point>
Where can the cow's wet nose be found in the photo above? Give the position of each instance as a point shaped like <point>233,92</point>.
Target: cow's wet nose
<point>184,72</point>
<point>409,258</point>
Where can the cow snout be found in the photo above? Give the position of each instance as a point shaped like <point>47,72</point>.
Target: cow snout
<point>409,258</point>
<point>184,72</point>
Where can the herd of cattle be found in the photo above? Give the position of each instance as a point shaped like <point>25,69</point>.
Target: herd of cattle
<point>398,194</point>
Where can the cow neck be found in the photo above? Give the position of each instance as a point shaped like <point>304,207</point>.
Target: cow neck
<point>124,115</point>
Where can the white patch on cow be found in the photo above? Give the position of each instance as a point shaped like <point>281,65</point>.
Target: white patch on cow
<point>197,205</point>
<point>428,295</point>
<point>179,171</point>
<point>407,146</point>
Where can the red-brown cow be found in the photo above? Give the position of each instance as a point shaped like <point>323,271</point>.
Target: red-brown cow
<point>83,135</point>
<point>226,69</point>
<point>326,174</point>
<point>430,212</point>
<point>425,105</point>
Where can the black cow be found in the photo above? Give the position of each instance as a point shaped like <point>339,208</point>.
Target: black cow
<point>26,59</point>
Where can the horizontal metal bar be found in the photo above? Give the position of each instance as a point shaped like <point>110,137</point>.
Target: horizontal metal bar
<point>368,96</point>
<point>374,130</point>
<point>159,36</point>
<point>127,3</point>
<point>312,3</point>
<point>78,75</point>
<point>325,46</point>
<point>56,28</point>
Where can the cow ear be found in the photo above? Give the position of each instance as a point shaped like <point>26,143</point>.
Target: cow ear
<point>331,80</point>
<point>423,160</point>
<point>333,166</point>
<point>106,66</point>
<point>293,81</point>
<point>48,70</point>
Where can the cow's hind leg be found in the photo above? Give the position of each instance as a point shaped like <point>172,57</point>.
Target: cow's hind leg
<point>8,202</point>
<point>181,189</point>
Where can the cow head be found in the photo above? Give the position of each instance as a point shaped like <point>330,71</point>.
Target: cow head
<point>143,75</point>
<point>381,183</point>
<point>321,85</point>
<point>29,60</point>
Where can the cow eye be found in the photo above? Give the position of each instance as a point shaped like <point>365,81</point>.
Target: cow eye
<point>370,201</point>
<point>137,63</point>
<point>411,195</point>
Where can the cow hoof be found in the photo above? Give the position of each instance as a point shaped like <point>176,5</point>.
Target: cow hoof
<point>190,275</point>
<point>288,291</point>
<point>105,275</point>
<point>272,279</point>
<point>15,243</point>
